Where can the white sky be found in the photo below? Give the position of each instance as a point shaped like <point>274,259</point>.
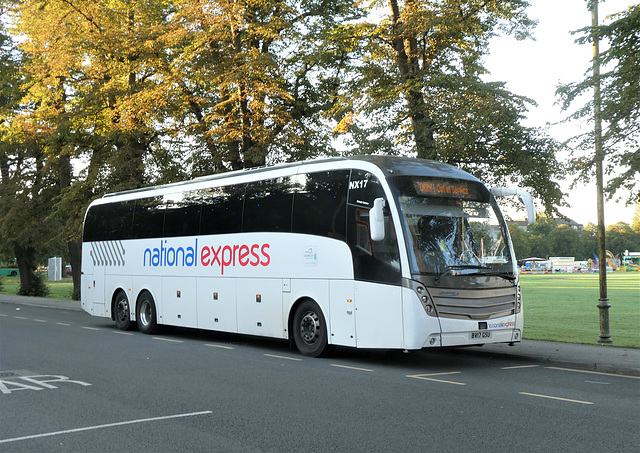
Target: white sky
<point>534,68</point>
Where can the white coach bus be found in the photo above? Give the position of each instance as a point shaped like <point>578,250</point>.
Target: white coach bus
<point>367,252</point>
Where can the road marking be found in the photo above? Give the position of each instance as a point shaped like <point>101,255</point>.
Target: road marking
<point>518,367</point>
<point>219,346</point>
<point>63,324</point>
<point>556,398</point>
<point>90,328</point>
<point>350,367</point>
<point>426,377</point>
<point>3,315</point>
<point>168,339</point>
<point>592,372</point>
<point>20,317</point>
<point>295,359</point>
<point>39,320</point>
<point>108,425</point>
<point>122,333</point>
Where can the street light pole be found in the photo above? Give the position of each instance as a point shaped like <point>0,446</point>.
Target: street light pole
<point>603,302</point>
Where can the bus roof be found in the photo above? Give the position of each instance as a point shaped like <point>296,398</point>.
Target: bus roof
<point>390,165</point>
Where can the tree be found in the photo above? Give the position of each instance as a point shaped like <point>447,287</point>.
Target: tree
<point>620,88</point>
<point>420,91</point>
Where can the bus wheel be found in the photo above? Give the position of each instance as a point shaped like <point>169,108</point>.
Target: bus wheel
<point>146,313</point>
<point>121,311</point>
<point>310,329</point>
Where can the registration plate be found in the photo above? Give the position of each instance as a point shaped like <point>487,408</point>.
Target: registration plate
<point>480,335</point>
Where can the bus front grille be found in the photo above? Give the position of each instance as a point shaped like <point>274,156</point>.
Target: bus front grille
<point>475,304</point>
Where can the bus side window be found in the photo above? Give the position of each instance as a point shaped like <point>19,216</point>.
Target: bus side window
<point>319,206</point>
<point>182,215</point>
<point>267,206</point>
<point>148,218</point>
<point>222,209</point>
<point>109,222</point>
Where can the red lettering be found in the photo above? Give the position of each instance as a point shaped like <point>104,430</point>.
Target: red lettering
<point>204,255</point>
<point>265,254</point>
<point>254,254</point>
<point>226,262</point>
<point>216,258</point>
<point>243,259</point>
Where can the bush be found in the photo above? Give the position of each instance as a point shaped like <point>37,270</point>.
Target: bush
<point>36,287</point>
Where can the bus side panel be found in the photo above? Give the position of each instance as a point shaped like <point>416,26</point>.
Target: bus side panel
<point>343,313</point>
<point>216,304</point>
<point>378,315</point>
<point>179,301</point>
<point>260,307</point>
<point>420,329</point>
<point>112,283</point>
<point>314,289</point>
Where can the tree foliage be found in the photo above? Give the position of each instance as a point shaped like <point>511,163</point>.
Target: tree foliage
<point>620,111</point>
<point>118,94</point>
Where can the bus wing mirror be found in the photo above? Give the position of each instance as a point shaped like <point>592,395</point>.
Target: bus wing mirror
<point>525,198</point>
<point>376,220</point>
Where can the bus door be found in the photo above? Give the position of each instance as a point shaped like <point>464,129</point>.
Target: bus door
<point>343,312</point>
<point>377,289</point>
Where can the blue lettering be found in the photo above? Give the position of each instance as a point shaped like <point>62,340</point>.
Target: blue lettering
<point>144,259</point>
<point>169,256</point>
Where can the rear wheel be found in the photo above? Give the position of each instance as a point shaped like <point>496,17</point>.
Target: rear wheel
<point>122,311</point>
<point>146,313</point>
<point>310,329</point>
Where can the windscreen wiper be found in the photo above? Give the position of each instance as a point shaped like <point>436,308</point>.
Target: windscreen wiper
<point>459,267</point>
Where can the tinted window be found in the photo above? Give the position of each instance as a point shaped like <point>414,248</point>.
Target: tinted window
<point>221,210</point>
<point>182,214</point>
<point>109,222</point>
<point>364,188</point>
<point>148,218</point>
<point>267,206</point>
<point>319,207</point>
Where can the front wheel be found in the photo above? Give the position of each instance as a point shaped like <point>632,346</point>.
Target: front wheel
<point>310,329</point>
<point>146,313</point>
<point>122,311</point>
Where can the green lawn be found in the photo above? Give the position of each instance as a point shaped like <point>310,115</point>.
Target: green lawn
<point>563,307</point>
<point>557,307</point>
<point>57,290</point>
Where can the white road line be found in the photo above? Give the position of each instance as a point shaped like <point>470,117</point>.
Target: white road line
<point>219,346</point>
<point>518,367</point>
<point>427,377</point>
<point>283,357</point>
<point>63,324</point>
<point>350,367</point>
<point>556,398</point>
<point>39,320</point>
<point>90,328</point>
<point>108,425</point>
<point>122,333</point>
<point>168,339</point>
<point>592,372</point>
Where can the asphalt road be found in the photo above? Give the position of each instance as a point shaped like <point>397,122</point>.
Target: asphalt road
<point>70,382</point>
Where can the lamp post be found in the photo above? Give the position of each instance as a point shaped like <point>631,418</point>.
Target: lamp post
<point>603,302</point>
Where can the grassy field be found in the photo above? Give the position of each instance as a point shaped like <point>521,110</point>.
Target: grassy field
<point>557,307</point>
<point>563,307</point>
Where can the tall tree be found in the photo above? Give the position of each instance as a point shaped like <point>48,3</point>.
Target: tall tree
<point>620,98</point>
<point>421,91</point>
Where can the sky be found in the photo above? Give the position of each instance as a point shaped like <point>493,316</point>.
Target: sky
<point>533,68</point>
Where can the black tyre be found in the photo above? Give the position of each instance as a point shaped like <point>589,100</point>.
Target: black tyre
<point>122,311</point>
<point>14,274</point>
<point>310,329</point>
<point>146,314</point>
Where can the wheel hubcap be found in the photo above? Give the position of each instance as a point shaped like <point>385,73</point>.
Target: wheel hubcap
<point>122,310</point>
<point>145,312</point>
<point>309,327</point>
